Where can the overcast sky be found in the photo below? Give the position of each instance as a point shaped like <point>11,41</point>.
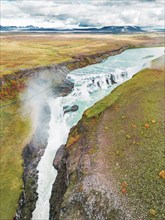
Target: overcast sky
<point>74,13</point>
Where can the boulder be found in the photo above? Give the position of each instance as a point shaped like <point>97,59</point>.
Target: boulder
<point>58,157</point>
<point>73,108</point>
<point>112,78</point>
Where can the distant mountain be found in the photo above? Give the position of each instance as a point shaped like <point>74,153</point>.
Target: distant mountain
<point>107,29</point>
<point>154,29</point>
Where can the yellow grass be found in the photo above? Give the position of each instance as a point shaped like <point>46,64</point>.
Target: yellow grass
<point>19,51</point>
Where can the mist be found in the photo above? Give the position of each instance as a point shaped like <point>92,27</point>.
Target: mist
<point>44,85</point>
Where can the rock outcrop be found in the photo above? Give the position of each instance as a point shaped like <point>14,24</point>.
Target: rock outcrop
<point>70,108</point>
<point>59,157</point>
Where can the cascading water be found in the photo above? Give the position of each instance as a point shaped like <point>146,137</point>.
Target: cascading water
<point>57,126</point>
<point>91,84</point>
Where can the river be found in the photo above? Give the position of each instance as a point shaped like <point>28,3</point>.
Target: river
<point>91,84</point>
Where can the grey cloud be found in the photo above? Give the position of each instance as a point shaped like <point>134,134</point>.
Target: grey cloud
<point>84,12</point>
<point>62,17</point>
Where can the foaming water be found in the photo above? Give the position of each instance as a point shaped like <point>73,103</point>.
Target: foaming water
<point>57,126</point>
<point>91,84</point>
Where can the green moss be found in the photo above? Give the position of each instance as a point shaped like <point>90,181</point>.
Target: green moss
<point>92,150</point>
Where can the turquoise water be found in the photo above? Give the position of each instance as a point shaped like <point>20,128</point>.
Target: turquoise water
<point>128,63</point>
<point>90,85</point>
<point>125,60</point>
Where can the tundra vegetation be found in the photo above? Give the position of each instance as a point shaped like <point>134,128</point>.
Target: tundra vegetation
<point>25,51</point>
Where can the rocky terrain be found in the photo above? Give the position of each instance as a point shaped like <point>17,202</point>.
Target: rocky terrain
<point>112,165</point>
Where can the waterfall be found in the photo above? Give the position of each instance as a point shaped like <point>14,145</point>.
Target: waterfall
<point>58,131</point>
<point>90,85</point>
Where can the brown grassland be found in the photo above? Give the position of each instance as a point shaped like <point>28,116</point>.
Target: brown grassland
<point>20,51</point>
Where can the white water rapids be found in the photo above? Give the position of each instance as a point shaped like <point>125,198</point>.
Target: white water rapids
<point>90,85</point>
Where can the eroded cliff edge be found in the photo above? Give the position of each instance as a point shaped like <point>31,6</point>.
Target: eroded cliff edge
<point>111,165</point>
<point>75,63</point>
<point>53,77</point>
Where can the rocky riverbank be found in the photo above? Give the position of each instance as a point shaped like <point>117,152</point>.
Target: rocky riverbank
<point>112,163</point>
<point>77,62</point>
<point>32,154</point>
<point>55,77</point>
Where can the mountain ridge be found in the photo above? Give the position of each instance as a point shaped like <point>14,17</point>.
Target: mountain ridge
<point>105,29</point>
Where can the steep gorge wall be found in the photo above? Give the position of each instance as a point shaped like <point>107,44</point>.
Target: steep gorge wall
<point>56,76</point>
<point>77,62</point>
